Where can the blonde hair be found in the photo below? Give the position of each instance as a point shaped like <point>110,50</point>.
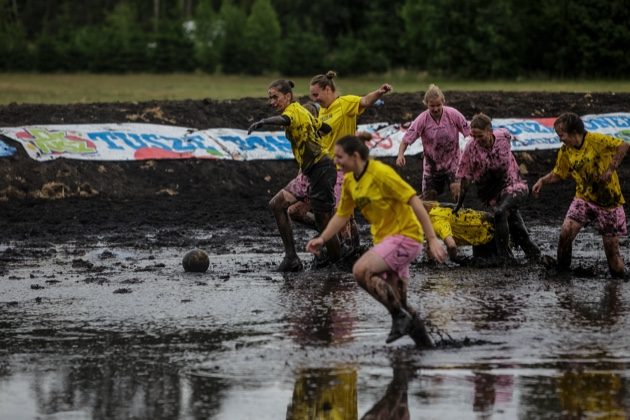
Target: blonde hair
<point>433,92</point>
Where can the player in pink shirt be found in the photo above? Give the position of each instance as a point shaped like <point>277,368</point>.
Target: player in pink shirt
<point>438,127</point>
<point>487,160</point>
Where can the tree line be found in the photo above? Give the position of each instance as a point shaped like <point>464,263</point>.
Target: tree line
<point>460,38</point>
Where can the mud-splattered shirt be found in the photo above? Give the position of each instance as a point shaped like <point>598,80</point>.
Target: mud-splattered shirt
<point>440,140</point>
<point>302,133</point>
<point>383,197</point>
<point>341,116</point>
<point>494,170</point>
<point>467,227</point>
<point>587,164</point>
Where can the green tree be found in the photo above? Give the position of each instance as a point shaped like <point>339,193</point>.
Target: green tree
<point>206,34</point>
<point>262,38</point>
<point>230,38</point>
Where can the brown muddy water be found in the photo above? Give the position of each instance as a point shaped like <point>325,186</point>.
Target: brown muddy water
<point>96,328</point>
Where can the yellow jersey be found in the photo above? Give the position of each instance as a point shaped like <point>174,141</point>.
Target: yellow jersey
<point>302,133</point>
<point>467,227</point>
<point>341,116</point>
<point>587,164</point>
<point>382,196</point>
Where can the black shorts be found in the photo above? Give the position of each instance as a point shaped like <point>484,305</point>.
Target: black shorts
<point>322,176</point>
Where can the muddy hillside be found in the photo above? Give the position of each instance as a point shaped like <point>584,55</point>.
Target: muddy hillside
<point>41,201</point>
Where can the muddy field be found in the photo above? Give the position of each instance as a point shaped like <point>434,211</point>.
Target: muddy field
<point>98,319</point>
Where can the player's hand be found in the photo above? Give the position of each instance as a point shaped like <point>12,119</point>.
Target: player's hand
<point>436,250</point>
<point>255,126</point>
<point>537,187</point>
<point>314,245</point>
<point>401,161</point>
<point>456,188</point>
<point>385,89</point>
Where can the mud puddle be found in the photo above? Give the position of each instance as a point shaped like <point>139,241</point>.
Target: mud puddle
<point>99,328</point>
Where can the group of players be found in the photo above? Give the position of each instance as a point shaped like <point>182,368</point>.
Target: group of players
<point>336,176</point>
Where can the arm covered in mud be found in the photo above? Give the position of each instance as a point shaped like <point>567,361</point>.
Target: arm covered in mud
<point>463,189</point>
<point>620,153</point>
<point>332,228</point>
<point>435,247</point>
<point>550,178</point>
<point>276,120</point>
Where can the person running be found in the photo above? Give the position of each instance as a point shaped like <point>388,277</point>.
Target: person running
<point>467,227</point>
<point>591,159</point>
<point>438,127</point>
<point>302,130</point>
<point>398,223</point>
<point>488,161</point>
<point>340,112</point>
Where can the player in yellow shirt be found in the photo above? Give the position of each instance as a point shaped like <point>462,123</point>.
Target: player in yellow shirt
<point>591,159</point>
<point>303,131</point>
<point>467,227</point>
<point>340,112</point>
<point>398,224</point>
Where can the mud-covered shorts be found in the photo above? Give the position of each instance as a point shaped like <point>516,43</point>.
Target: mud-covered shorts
<point>322,177</point>
<point>609,222</point>
<point>299,187</point>
<point>436,181</point>
<point>398,251</point>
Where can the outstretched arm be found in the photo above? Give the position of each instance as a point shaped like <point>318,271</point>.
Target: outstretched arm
<point>332,228</point>
<point>276,120</point>
<point>463,189</point>
<point>400,160</point>
<point>369,99</point>
<point>550,178</point>
<point>435,247</point>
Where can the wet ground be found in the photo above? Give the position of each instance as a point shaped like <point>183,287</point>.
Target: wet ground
<point>98,329</point>
<point>99,320</point>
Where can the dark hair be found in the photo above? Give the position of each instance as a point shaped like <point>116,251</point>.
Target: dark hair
<point>570,122</point>
<point>351,144</point>
<point>283,85</point>
<point>323,80</point>
<point>481,121</point>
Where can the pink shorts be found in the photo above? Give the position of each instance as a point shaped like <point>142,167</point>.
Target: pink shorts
<point>609,222</point>
<point>338,185</point>
<point>299,187</point>
<point>398,251</point>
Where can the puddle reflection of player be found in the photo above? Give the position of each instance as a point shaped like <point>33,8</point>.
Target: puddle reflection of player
<point>604,312</point>
<point>394,403</point>
<point>302,130</point>
<point>488,161</point>
<point>324,394</point>
<point>491,389</point>
<point>397,220</point>
<point>591,159</point>
<point>591,394</point>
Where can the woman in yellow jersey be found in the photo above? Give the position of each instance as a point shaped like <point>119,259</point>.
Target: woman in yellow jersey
<point>302,130</point>
<point>340,112</point>
<point>591,159</point>
<point>398,223</point>
<point>467,227</point>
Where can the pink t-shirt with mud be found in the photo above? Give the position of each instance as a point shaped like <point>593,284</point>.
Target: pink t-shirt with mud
<point>440,140</point>
<point>494,170</point>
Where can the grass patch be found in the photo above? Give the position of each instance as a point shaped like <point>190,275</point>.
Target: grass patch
<point>87,88</point>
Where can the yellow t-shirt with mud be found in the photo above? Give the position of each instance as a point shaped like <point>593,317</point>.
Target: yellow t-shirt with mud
<point>302,133</point>
<point>587,164</point>
<point>341,116</point>
<point>467,227</point>
<point>382,196</point>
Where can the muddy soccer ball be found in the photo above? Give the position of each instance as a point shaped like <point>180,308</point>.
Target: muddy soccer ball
<point>196,261</point>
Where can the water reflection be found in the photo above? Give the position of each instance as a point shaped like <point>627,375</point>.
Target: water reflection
<point>394,403</point>
<point>591,394</point>
<point>597,307</point>
<point>490,390</point>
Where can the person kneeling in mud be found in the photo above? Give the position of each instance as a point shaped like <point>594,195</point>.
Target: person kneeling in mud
<point>302,130</point>
<point>467,227</point>
<point>488,161</point>
<point>398,223</point>
<point>591,159</point>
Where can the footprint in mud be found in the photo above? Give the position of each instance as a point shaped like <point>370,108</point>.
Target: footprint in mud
<point>122,290</point>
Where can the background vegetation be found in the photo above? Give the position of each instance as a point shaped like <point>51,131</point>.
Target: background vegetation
<point>455,38</point>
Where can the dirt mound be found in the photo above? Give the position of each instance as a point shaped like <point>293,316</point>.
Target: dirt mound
<point>67,197</point>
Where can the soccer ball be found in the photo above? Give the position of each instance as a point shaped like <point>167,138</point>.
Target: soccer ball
<point>196,261</point>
